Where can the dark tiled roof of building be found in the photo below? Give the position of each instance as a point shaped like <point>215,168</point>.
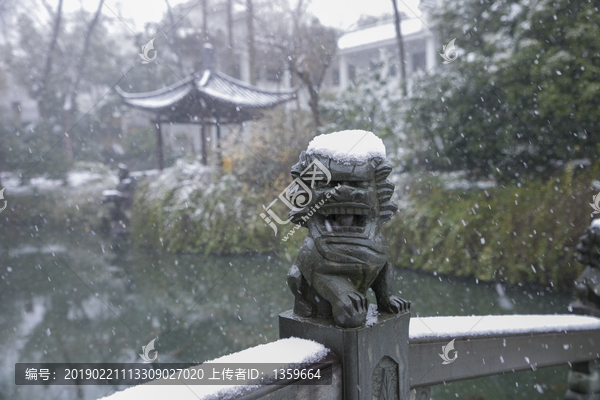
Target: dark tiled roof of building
<point>206,96</point>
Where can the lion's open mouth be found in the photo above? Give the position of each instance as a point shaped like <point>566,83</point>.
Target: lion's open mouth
<point>347,217</point>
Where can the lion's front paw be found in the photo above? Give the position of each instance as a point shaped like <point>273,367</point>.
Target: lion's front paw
<point>393,304</point>
<point>351,310</point>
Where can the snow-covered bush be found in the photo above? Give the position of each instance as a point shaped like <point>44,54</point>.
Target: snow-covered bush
<point>521,233</point>
<point>194,208</point>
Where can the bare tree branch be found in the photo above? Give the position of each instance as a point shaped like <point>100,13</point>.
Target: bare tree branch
<point>251,48</point>
<point>48,8</point>
<point>307,47</point>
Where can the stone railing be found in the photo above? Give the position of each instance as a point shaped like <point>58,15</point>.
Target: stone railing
<point>487,345</point>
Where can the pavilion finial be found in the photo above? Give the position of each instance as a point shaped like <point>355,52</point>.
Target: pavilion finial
<point>208,55</point>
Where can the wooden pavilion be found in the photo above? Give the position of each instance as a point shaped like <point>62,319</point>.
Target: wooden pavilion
<point>207,98</point>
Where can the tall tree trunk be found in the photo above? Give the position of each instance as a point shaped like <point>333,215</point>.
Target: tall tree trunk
<point>397,21</point>
<point>159,146</point>
<point>203,141</point>
<point>70,103</point>
<point>204,20</point>
<point>251,49</point>
<point>230,52</point>
<point>314,109</point>
<point>41,95</point>
<point>67,144</point>
<point>84,51</point>
<point>313,92</point>
<point>175,40</point>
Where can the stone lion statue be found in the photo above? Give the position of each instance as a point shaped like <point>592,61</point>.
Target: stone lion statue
<point>344,253</point>
<point>587,286</point>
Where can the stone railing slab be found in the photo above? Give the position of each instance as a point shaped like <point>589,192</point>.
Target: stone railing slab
<point>284,352</point>
<point>489,345</point>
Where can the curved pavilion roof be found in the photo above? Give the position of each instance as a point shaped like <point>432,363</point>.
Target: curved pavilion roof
<point>211,95</point>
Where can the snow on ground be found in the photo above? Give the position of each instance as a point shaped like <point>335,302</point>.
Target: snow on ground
<point>28,249</point>
<point>353,146</point>
<point>498,324</point>
<point>460,180</point>
<point>11,182</point>
<point>466,184</point>
<point>79,178</point>
<point>283,351</point>
<point>149,172</point>
<point>38,184</point>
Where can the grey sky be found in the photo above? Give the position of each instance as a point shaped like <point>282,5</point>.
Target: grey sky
<point>338,13</point>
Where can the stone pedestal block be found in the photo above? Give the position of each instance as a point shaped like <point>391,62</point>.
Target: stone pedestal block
<point>374,357</point>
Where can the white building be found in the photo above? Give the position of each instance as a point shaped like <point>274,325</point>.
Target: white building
<point>361,49</point>
<point>17,109</point>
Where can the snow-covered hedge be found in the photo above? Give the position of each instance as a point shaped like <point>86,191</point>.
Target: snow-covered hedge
<point>520,232</point>
<point>194,208</point>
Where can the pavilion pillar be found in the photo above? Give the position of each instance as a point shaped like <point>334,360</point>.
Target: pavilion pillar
<point>159,146</point>
<point>203,140</point>
<point>343,71</point>
<point>220,155</point>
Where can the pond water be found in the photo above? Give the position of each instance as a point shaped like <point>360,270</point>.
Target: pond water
<point>76,298</point>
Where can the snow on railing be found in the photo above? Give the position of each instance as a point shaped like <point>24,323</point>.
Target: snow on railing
<point>496,344</point>
<point>454,326</point>
<point>284,352</point>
